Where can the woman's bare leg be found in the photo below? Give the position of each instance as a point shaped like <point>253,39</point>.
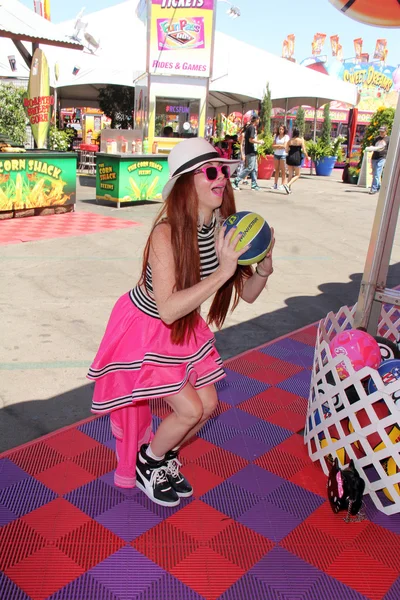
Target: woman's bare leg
<point>297,172</point>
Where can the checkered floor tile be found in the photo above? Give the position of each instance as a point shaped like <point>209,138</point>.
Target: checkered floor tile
<point>258,526</point>
<point>32,229</point>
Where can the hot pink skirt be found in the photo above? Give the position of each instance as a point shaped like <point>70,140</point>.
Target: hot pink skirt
<point>137,361</point>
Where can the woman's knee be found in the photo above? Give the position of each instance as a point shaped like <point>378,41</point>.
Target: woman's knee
<point>187,406</point>
<point>209,400</point>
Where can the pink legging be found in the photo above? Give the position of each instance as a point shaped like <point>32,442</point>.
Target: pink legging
<point>131,427</point>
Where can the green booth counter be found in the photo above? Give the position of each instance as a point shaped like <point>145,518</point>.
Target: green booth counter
<point>37,179</point>
<point>130,177</point>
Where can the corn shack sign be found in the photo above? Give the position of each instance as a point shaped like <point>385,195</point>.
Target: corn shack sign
<point>38,102</point>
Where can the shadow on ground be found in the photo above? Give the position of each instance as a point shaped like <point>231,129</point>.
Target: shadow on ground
<point>31,419</point>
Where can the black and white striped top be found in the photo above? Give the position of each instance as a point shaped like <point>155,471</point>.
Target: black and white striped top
<point>208,264</point>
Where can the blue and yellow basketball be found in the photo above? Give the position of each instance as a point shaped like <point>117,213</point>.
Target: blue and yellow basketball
<point>252,229</point>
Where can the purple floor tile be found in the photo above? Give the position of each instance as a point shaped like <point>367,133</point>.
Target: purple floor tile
<point>10,591</point>
<point>239,388</point>
<point>394,592</point>
<point>291,351</point>
<point>127,573</point>
<point>108,478</point>
<point>298,384</point>
<point>269,520</point>
<point>169,588</point>
<point>256,480</point>
<point>295,500</point>
<point>231,499</point>
<point>10,473</point>
<point>98,429</point>
<point>84,588</point>
<point>161,511</point>
<point>237,418</point>
<point>249,587</point>
<point>392,522</point>
<point>328,587</point>
<point>111,444</point>
<point>246,447</point>
<point>285,573</point>
<point>128,520</point>
<point>269,434</point>
<point>217,432</point>
<point>6,516</point>
<point>25,496</point>
<point>95,498</point>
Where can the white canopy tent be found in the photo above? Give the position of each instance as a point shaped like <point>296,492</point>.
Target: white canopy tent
<point>121,58</point>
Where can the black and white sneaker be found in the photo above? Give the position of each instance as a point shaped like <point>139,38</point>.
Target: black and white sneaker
<point>152,479</point>
<point>178,481</point>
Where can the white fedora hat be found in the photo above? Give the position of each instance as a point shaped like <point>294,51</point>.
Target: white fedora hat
<point>188,156</point>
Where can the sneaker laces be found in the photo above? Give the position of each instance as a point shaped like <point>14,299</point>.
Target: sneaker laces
<point>173,468</point>
<point>159,476</point>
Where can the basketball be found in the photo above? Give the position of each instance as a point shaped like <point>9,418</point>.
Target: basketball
<point>371,12</point>
<point>252,229</point>
<point>391,469</point>
<point>359,346</point>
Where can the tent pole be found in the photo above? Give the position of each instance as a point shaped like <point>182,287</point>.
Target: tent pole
<point>286,107</point>
<point>315,120</point>
<point>372,290</point>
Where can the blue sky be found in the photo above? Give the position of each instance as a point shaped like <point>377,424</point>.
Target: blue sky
<point>266,23</point>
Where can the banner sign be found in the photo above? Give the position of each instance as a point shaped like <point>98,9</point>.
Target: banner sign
<point>378,84</point>
<point>358,44</point>
<point>181,37</point>
<point>38,102</point>
<point>37,180</point>
<point>380,50</point>
<point>318,43</point>
<point>334,44</point>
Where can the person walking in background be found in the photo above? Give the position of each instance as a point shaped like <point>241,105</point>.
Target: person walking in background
<point>279,146</point>
<point>295,148</point>
<point>250,142</point>
<point>380,148</point>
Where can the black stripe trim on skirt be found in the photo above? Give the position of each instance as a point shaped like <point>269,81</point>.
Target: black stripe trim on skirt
<point>151,358</point>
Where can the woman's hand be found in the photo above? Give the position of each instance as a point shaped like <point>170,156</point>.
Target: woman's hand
<point>227,255</point>
<point>265,267</point>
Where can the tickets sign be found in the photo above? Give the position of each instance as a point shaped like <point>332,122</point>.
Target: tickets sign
<point>181,37</point>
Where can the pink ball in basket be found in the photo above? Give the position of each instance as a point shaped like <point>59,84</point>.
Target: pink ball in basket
<point>359,346</point>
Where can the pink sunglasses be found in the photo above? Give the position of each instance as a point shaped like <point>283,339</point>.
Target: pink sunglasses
<point>212,172</point>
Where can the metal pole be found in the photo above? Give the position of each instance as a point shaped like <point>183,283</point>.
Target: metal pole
<point>315,120</point>
<point>372,291</point>
<point>286,107</point>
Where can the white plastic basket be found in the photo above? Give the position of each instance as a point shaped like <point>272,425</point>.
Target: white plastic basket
<point>344,420</point>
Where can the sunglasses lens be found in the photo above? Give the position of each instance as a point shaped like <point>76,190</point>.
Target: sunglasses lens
<point>226,171</point>
<point>212,173</point>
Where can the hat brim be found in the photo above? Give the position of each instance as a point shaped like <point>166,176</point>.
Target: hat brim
<point>171,182</point>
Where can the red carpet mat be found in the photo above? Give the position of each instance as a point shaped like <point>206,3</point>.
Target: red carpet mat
<point>32,229</point>
<point>259,526</point>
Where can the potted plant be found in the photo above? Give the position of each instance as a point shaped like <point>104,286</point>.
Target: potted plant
<point>265,150</point>
<point>353,173</point>
<point>324,155</point>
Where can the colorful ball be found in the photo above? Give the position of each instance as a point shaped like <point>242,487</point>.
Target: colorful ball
<point>252,229</point>
<point>359,346</point>
<point>389,370</point>
<point>391,469</point>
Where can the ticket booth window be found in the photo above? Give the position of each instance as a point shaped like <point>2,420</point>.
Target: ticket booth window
<point>177,117</point>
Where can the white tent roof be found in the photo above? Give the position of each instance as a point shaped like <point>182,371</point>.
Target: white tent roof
<point>121,58</point>
<point>18,22</point>
<point>249,68</point>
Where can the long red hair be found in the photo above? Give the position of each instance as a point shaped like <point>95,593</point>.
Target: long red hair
<point>181,211</point>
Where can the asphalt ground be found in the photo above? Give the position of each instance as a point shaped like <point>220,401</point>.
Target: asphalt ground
<point>57,294</point>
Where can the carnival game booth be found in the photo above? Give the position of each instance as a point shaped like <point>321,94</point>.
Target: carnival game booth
<point>354,404</point>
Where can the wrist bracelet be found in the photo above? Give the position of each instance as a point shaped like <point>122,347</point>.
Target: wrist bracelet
<point>264,276</point>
